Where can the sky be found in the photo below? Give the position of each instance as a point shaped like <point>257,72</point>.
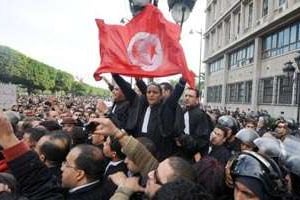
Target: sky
<point>63,33</point>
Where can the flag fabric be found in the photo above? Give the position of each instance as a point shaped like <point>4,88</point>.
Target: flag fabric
<point>147,46</point>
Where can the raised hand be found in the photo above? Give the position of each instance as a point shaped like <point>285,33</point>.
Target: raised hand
<point>105,127</point>
<point>7,136</point>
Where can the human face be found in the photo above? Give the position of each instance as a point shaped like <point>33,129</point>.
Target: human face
<point>190,98</point>
<point>131,166</point>
<point>117,94</point>
<point>158,177</point>
<point>250,125</point>
<point>98,139</point>
<point>53,115</point>
<point>217,137</point>
<point>70,173</point>
<point>153,95</point>
<point>68,127</point>
<point>241,192</point>
<point>281,130</point>
<point>107,149</point>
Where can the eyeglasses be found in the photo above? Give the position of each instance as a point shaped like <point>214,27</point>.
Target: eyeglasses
<point>67,165</point>
<point>156,178</point>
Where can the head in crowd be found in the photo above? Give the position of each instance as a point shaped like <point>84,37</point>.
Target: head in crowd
<point>167,89</point>
<point>132,167</point>
<point>247,136</point>
<point>168,170</point>
<point>77,115</point>
<point>112,149</point>
<point>84,164</point>
<point>250,123</point>
<point>53,148</point>
<point>11,191</point>
<point>117,94</point>
<point>50,125</point>
<point>210,174</point>
<point>256,177</point>
<point>32,135</point>
<point>191,98</point>
<point>219,135</point>
<point>13,118</point>
<point>154,94</point>
<point>230,123</point>
<point>52,115</point>
<point>68,124</point>
<point>281,129</point>
<point>78,136</point>
<point>182,189</point>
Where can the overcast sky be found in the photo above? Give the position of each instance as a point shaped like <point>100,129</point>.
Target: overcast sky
<point>63,33</point>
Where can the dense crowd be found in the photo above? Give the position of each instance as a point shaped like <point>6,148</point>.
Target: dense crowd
<point>152,142</point>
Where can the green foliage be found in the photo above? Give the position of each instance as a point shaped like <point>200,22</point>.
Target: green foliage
<point>19,69</point>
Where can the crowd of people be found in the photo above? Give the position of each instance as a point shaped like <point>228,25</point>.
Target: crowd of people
<point>152,142</point>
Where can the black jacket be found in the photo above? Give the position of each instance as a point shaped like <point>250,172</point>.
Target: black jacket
<point>200,129</point>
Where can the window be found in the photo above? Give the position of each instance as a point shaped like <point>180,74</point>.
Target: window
<point>266,90</point>
<point>265,7</point>
<point>250,14</point>
<point>227,30</point>
<point>240,92</point>
<point>281,2</point>
<point>214,94</point>
<point>282,41</point>
<point>217,65</point>
<point>285,86</point>
<point>241,56</point>
<point>248,91</point>
<point>293,37</point>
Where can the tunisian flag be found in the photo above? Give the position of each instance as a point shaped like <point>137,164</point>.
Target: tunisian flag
<point>147,46</point>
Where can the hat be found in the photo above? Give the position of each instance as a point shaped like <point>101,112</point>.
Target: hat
<point>68,120</point>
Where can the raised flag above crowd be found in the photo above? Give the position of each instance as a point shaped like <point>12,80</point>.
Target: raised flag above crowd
<point>147,46</point>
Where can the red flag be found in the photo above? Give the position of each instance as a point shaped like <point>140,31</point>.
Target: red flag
<point>147,46</point>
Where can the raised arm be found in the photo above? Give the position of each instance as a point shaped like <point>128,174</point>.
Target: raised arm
<point>128,92</point>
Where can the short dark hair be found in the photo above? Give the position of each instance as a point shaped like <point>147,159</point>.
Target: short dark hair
<point>53,152</point>
<point>182,169</point>
<point>35,133</point>
<point>181,189</point>
<point>166,86</point>
<point>210,174</point>
<point>91,161</point>
<point>50,125</point>
<point>116,147</point>
<point>196,90</point>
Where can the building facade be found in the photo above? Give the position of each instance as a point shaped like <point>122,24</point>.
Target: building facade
<point>247,43</point>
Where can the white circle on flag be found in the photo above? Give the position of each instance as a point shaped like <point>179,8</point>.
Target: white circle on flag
<point>145,51</point>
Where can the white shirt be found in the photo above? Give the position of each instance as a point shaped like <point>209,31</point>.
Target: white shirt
<point>146,120</point>
<point>187,123</point>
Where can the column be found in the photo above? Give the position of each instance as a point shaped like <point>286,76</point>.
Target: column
<point>256,72</point>
<point>274,92</point>
<point>225,80</point>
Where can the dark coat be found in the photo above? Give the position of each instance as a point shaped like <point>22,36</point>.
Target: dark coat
<point>35,179</point>
<point>200,129</point>
<point>221,153</point>
<point>109,187</point>
<point>161,122</point>
<point>92,192</point>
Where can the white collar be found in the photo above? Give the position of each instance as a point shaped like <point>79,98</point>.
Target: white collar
<point>113,163</point>
<point>82,186</point>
